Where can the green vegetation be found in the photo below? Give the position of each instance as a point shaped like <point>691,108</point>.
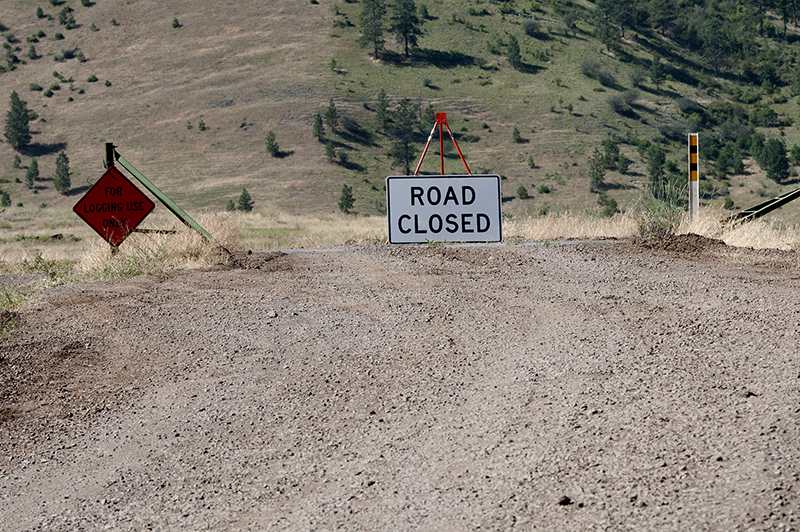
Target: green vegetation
<point>533,91</point>
<point>61,181</point>
<point>346,200</point>
<point>245,201</point>
<point>17,130</point>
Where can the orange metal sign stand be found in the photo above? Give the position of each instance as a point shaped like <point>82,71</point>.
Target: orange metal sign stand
<point>441,120</point>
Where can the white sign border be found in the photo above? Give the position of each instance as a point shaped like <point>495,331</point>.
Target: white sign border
<point>457,176</point>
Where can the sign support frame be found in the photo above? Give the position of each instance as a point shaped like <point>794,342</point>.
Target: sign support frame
<point>112,155</point>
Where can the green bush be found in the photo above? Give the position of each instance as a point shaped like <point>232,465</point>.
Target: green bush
<point>522,192</point>
<point>544,189</point>
<point>35,87</point>
<point>92,78</point>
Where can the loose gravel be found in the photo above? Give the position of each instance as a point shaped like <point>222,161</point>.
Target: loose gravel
<point>645,385</point>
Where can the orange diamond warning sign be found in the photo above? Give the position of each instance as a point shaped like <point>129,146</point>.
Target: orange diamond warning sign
<point>113,207</point>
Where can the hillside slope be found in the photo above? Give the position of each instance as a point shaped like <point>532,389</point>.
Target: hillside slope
<point>244,69</point>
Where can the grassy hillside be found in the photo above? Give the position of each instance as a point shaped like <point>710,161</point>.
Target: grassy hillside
<point>246,68</point>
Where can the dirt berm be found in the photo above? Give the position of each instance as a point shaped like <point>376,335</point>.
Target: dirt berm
<point>644,385</point>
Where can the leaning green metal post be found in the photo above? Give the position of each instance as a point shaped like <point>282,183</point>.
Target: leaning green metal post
<point>168,203</point>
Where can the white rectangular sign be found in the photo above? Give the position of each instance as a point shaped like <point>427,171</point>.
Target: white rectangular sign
<point>459,208</point>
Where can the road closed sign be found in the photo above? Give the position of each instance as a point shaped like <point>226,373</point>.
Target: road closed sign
<point>459,208</point>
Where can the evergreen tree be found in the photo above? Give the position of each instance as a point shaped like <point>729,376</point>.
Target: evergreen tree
<point>406,120</point>
<point>6,199</point>
<point>406,25</point>
<point>61,182</point>
<point>32,174</point>
<point>597,171</point>
<point>516,136</point>
<point>272,144</point>
<point>513,53</point>
<point>18,133</point>
<point>332,115</point>
<point>245,202</point>
<point>371,21</point>
<point>775,160</point>
<point>319,130</point>
<point>17,161</point>
<point>330,153</point>
<point>656,72</point>
<point>346,200</point>
<point>231,206</point>
<point>382,110</point>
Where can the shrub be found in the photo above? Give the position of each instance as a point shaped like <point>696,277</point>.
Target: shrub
<point>515,136</point>
<point>544,189</point>
<point>108,83</point>
<point>728,203</point>
<point>91,79</point>
<point>114,22</point>
<point>35,87</point>
<point>531,28</point>
<point>58,37</point>
<point>688,107</point>
<point>618,104</point>
<point>657,219</point>
<point>522,192</point>
<point>175,23</point>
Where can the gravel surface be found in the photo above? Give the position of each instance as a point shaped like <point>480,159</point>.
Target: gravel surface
<point>650,385</point>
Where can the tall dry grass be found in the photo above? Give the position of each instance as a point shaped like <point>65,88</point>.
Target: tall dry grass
<point>143,253</point>
<point>570,226</point>
<point>758,234</point>
<point>277,230</point>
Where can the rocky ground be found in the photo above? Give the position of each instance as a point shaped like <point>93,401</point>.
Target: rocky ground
<point>651,385</point>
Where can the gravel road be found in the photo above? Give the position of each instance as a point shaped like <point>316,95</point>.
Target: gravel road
<point>638,385</point>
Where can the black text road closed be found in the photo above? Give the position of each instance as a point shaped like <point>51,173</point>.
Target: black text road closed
<point>462,208</point>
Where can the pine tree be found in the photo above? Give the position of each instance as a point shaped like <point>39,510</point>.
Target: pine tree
<point>332,115</point>
<point>18,133</point>
<point>657,75</point>
<point>231,206</point>
<point>597,171</point>
<point>330,153</point>
<point>245,202</point>
<point>272,144</point>
<point>32,174</point>
<point>346,200</point>
<point>775,160</point>
<point>513,53</point>
<point>371,21</point>
<point>406,120</point>
<point>61,182</point>
<point>319,130</point>
<point>382,110</point>
<point>406,25</point>
<point>6,199</point>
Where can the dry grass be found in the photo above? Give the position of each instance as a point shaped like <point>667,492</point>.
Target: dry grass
<point>277,230</point>
<point>758,234</point>
<point>144,253</point>
<point>570,226</point>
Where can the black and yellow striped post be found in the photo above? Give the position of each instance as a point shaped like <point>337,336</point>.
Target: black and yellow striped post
<point>694,175</point>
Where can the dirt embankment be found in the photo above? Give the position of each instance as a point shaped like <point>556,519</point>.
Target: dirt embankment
<point>650,385</point>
